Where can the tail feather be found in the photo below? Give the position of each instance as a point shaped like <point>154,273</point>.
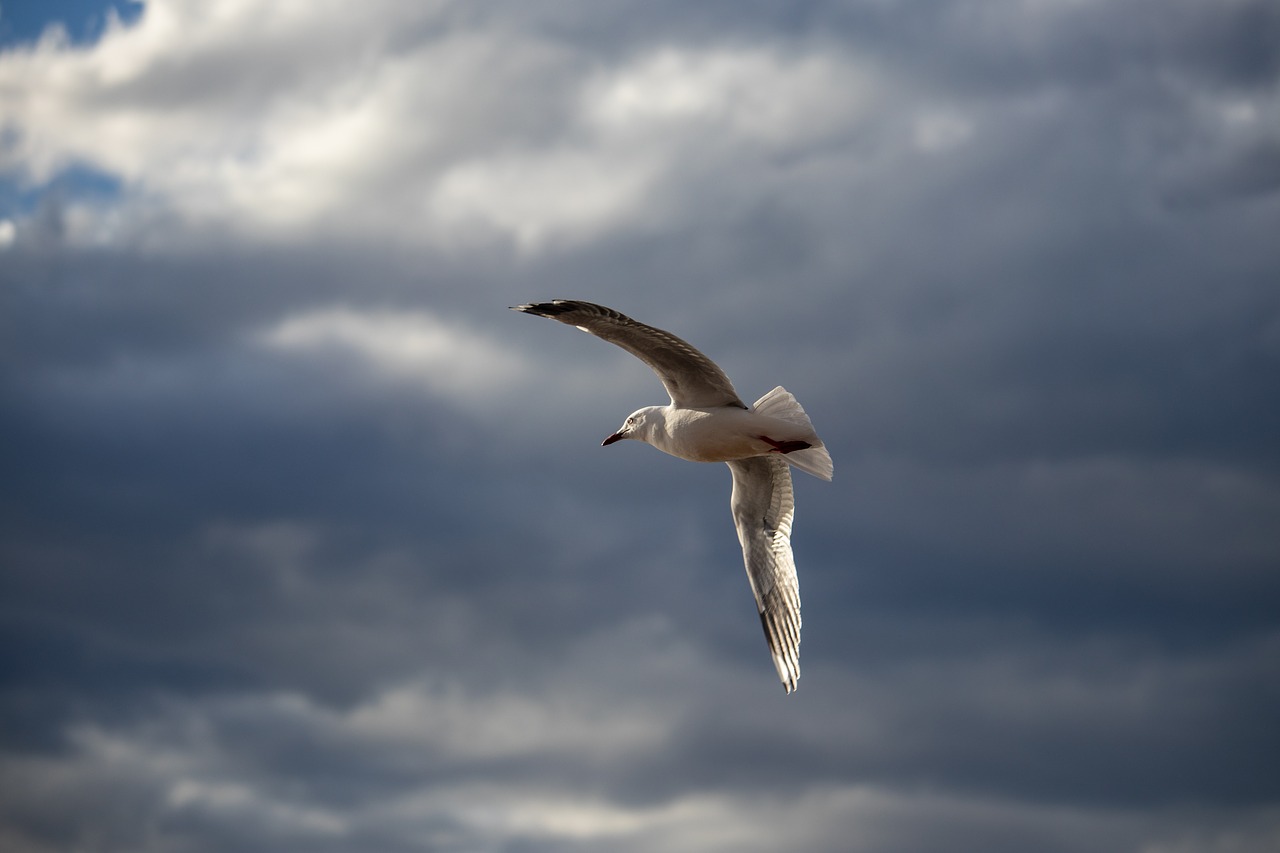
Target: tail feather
<point>815,461</point>
<point>781,404</point>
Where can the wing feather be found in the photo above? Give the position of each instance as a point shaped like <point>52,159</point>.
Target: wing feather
<point>691,379</point>
<point>763,507</point>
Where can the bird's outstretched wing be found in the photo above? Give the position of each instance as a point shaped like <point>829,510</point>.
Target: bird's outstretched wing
<point>692,379</point>
<point>763,506</point>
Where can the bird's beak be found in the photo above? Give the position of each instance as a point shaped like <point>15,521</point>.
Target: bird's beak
<point>617,436</point>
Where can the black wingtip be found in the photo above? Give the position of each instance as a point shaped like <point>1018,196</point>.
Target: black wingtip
<point>790,679</point>
<point>554,308</point>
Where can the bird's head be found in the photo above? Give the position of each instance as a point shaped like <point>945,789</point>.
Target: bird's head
<point>638,425</point>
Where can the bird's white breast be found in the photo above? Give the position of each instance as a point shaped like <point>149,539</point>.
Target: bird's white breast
<point>720,434</point>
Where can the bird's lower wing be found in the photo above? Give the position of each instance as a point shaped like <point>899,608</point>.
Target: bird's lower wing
<point>763,507</point>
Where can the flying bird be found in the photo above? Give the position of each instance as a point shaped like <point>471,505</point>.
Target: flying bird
<point>706,421</point>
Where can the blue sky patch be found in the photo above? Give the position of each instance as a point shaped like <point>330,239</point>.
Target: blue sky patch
<point>77,182</point>
<point>84,20</point>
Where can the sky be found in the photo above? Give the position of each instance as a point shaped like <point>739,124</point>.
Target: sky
<point>307,543</point>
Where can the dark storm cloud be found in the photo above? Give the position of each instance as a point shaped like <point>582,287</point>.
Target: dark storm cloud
<point>282,571</point>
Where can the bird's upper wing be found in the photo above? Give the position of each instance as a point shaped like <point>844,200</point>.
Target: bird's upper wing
<point>763,506</point>
<point>692,379</point>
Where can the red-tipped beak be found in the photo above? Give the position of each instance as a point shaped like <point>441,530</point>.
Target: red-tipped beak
<point>617,436</point>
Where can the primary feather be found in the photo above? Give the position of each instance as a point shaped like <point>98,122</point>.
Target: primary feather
<point>692,380</point>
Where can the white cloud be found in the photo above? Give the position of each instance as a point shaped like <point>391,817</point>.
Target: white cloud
<point>757,94</point>
<point>267,121</point>
<point>413,346</point>
<point>235,802</point>
<point>504,725</point>
<point>207,762</point>
<point>307,119</point>
<point>633,130</point>
<point>541,198</point>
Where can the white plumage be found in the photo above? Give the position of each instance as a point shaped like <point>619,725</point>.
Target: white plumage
<point>707,422</point>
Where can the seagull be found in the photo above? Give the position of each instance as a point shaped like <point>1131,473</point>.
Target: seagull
<point>706,421</point>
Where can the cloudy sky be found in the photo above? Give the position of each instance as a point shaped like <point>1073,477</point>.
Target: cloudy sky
<point>307,543</point>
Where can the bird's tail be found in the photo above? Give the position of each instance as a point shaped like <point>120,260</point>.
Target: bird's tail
<point>779,403</point>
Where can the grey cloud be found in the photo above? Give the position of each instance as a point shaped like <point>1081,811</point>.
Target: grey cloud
<point>272,598</point>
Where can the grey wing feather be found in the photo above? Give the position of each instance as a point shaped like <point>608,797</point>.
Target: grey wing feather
<point>691,379</point>
<point>763,507</point>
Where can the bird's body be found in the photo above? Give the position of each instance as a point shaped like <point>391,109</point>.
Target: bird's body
<point>707,422</point>
<point>722,434</point>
